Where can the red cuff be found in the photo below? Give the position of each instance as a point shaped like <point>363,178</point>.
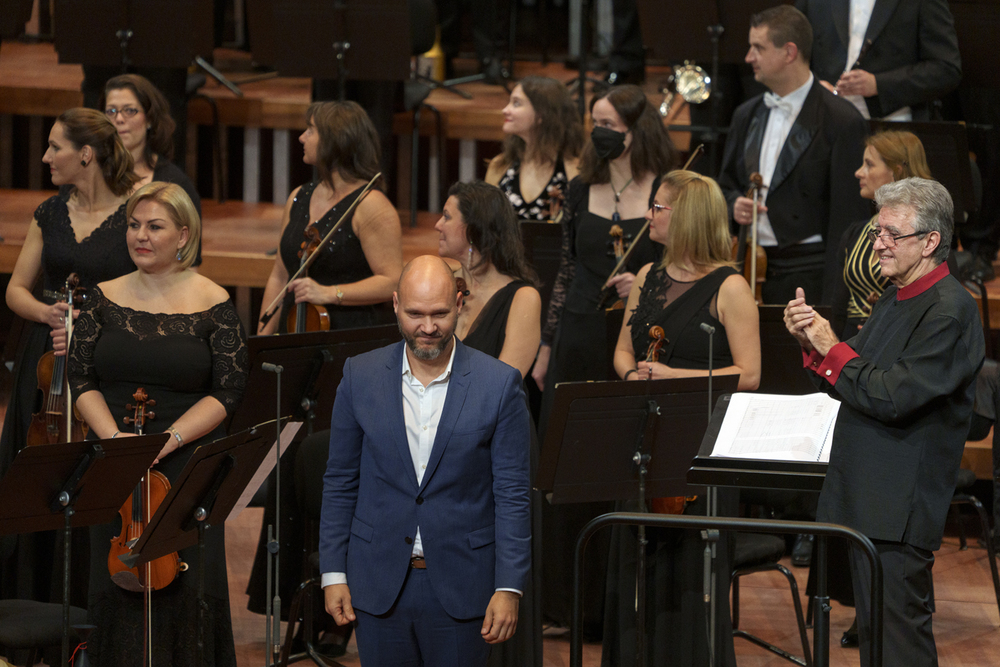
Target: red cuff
<point>829,367</point>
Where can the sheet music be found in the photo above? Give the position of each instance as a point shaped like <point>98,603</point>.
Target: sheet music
<point>773,426</point>
<point>266,466</point>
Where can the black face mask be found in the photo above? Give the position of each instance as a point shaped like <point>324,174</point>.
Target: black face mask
<point>607,143</point>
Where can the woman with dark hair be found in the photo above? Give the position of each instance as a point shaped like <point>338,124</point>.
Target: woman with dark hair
<point>81,231</point>
<point>356,273</point>
<point>694,285</point>
<point>544,136</point>
<point>620,172</point>
<point>501,316</point>
<point>174,333</point>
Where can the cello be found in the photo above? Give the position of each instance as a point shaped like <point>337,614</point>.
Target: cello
<point>58,420</point>
<point>135,514</point>
<point>670,504</point>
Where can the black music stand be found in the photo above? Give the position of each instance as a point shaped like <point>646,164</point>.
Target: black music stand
<point>781,369</point>
<point>72,485</point>
<point>626,440</point>
<point>782,475</point>
<point>332,40</point>
<point>312,366</point>
<point>203,496</point>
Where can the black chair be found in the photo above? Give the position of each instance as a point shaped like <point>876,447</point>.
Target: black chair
<point>34,626</point>
<point>757,552</point>
<point>963,482</point>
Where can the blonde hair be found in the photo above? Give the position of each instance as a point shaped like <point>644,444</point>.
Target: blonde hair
<point>698,236</point>
<point>180,209</point>
<point>902,152</point>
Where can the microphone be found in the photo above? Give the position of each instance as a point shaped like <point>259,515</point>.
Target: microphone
<point>272,368</point>
<point>710,330</point>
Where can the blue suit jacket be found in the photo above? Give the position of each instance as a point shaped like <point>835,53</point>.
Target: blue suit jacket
<point>472,506</point>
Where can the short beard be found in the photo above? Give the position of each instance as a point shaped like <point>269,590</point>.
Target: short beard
<point>425,353</point>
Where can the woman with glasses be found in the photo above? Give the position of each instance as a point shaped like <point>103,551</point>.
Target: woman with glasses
<point>544,136</point>
<point>693,285</point>
<point>889,156</point>
<point>81,232</point>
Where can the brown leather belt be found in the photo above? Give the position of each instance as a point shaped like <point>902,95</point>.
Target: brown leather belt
<point>418,563</point>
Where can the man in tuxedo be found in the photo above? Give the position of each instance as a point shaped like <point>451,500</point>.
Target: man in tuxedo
<point>806,143</point>
<point>906,385</point>
<point>891,58</point>
<point>424,535</point>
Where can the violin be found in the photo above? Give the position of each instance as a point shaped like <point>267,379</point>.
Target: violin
<point>671,504</point>
<point>308,316</point>
<point>309,258</point>
<point>136,513</point>
<point>756,269</point>
<point>58,420</point>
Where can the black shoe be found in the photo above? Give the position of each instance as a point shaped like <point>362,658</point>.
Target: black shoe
<point>623,76</point>
<point>803,550</point>
<point>850,638</point>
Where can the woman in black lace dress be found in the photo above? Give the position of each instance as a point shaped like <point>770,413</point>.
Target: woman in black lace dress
<point>501,316</point>
<point>357,271</point>
<point>695,284</point>
<point>544,136</point>
<point>81,231</point>
<point>174,333</point>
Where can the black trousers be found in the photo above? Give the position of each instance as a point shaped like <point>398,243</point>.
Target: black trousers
<point>908,603</point>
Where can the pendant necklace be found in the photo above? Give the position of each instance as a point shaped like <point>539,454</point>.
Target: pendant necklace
<point>616,217</point>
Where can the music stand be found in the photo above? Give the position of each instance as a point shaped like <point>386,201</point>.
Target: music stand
<point>202,496</point>
<point>84,482</point>
<point>312,366</point>
<point>622,439</point>
<point>782,475</point>
<point>332,40</point>
<point>781,370</point>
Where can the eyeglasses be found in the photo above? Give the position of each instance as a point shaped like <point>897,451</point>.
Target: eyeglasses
<point>889,239</point>
<point>128,112</point>
<point>659,207</point>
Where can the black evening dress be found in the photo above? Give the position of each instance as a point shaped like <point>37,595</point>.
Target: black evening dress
<point>178,359</point>
<point>101,256</point>
<point>342,261</point>
<point>541,208</point>
<point>577,332</point>
<point>676,617</point>
<point>524,649</point>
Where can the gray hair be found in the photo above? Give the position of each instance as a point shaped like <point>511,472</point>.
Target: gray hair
<point>930,201</point>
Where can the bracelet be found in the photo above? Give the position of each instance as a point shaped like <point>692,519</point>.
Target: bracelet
<point>629,372</point>
<point>173,432</point>
<point>115,435</point>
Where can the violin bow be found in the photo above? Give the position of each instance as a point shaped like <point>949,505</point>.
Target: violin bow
<point>628,251</point>
<point>273,307</point>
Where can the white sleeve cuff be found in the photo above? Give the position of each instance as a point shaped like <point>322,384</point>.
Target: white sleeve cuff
<point>332,578</point>
<point>509,590</point>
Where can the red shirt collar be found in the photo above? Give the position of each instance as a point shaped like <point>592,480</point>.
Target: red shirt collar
<point>923,283</point>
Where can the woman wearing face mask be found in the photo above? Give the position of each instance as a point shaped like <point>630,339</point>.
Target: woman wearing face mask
<point>544,137</point>
<point>619,174</point>
<point>889,156</point>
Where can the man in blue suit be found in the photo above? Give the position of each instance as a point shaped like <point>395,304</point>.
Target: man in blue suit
<point>425,536</point>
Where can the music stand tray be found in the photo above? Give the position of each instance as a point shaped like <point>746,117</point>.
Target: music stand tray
<point>312,367</point>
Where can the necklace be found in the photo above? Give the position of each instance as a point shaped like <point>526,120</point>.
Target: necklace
<point>616,217</point>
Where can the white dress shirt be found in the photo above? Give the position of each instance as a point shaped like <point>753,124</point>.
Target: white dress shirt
<point>779,123</point>
<point>861,16</point>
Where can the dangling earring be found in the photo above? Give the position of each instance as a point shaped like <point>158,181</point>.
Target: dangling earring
<point>179,253</point>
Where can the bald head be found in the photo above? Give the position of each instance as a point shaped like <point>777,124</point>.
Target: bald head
<point>426,304</point>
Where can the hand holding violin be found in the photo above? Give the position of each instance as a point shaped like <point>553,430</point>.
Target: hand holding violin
<point>622,284</point>
<point>307,290</point>
<point>653,370</point>
<point>743,210</point>
<point>55,317</point>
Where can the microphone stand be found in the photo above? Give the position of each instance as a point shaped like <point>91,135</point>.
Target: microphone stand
<point>272,612</point>
<point>711,537</point>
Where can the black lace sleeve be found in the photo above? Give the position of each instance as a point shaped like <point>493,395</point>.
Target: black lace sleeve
<point>229,357</point>
<point>86,332</point>
<point>576,202</point>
